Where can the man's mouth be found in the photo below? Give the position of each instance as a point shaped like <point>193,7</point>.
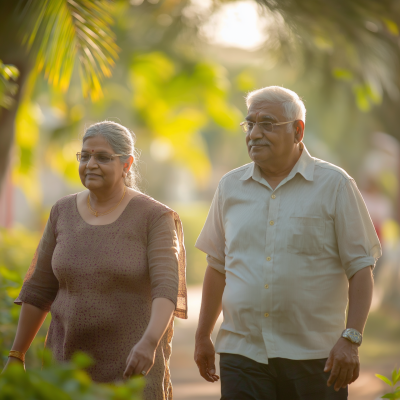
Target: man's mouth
<point>258,144</point>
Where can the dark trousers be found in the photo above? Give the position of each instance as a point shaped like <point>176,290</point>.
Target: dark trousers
<point>281,379</point>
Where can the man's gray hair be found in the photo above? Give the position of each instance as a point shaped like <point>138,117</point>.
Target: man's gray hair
<point>122,140</point>
<point>291,102</point>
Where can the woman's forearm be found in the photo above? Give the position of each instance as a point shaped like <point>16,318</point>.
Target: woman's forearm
<point>161,313</point>
<point>141,358</point>
<point>30,321</point>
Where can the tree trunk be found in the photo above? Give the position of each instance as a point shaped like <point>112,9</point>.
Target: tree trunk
<point>11,52</point>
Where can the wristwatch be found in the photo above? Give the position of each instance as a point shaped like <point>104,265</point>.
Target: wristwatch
<point>353,335</point>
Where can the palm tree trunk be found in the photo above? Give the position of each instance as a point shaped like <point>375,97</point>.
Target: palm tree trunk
<point>11,52</point>
<point>7,119</point>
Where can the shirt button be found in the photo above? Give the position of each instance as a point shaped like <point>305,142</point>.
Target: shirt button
<point>266,286</point>
<point>271,222</point>
<point>266,315</point>
<point>273,196</point>
<point>268,258</point>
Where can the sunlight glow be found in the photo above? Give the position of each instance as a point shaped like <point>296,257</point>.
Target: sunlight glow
<point>238,24</point>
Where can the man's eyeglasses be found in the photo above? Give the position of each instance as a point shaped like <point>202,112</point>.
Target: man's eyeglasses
<point>101,158</point>
<point>248,126</point>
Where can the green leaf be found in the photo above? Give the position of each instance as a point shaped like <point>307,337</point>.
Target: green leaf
<point>245,81</point>
<point>82,360</point>
<point>384,379</point>
<point>391,26</point>
<point>13,292</point>
<point>13,276</point>
<point>343,74</point>
<point>395,395</point>
<point>395,376</point>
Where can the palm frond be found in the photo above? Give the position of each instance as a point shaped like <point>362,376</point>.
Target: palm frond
<point>69,31</point>
<point>357,37</point>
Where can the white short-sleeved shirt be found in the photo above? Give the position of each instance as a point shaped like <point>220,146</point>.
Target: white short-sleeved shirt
<point>287,254</point>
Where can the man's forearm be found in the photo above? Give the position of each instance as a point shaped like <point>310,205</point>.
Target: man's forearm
<point>360,296</point>
<point>211,303</point>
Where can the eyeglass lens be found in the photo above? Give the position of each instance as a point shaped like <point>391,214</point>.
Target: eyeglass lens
<point>264,126</point>
<point>101,158</point>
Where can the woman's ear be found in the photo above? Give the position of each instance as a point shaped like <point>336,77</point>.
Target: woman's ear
<point>128,164</point>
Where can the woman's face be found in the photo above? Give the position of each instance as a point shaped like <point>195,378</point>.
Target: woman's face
<point>96,175</point>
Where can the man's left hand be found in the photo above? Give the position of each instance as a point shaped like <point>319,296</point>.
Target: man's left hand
<point>344,364</point>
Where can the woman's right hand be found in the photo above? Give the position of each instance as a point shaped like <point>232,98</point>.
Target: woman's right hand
<point>12,360</point>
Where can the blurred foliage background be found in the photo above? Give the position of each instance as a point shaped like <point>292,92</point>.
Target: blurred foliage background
<point>176,73</point>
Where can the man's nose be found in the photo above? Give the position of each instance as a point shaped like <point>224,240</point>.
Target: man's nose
<point>256,132</point>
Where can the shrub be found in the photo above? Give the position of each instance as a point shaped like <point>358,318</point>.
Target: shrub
<point>66,381</point>
<point>395,394</point>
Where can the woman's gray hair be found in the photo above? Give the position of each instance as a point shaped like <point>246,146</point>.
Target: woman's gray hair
<point>122,140</point>
<point>292,104</point>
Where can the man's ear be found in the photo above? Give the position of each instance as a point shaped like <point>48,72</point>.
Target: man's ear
<point>299,130</point>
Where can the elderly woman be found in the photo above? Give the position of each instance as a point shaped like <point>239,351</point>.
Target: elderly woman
<point>111,270</point>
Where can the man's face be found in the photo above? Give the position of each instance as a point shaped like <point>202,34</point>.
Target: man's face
<point>264,146</point>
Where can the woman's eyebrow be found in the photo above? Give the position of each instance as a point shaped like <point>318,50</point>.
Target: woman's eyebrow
<point>92,151</point>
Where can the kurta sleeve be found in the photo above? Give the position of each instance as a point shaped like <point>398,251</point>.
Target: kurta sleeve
<point>357,240</point>
<point>167,262</point>
<point>212,237</point>
<point>40,285</point>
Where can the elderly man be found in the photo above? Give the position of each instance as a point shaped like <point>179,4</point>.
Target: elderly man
<point>289,242</point>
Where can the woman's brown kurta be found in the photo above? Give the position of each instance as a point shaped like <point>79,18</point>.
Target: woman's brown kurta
<point>99,281</point>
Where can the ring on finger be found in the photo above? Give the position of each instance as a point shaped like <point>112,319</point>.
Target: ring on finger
<point>144,373</point>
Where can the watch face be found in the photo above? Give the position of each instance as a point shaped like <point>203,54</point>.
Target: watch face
<point>353,335</point>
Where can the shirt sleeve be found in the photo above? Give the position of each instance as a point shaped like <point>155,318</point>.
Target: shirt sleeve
<point>357,240</point>
<point>212,237</point>
<point>162,255</point>
<point>40,285</point>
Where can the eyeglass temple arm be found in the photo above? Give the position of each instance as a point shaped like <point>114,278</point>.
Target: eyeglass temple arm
<point>273,123</point>
<point>283,123</point>
<point>112,155</point>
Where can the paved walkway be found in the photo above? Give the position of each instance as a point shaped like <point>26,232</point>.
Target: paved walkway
<point>189,385</point>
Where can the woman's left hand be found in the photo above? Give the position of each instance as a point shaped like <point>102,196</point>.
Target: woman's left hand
<point>140,359</point>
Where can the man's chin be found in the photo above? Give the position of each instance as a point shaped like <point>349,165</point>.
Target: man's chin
<point>259,153</point>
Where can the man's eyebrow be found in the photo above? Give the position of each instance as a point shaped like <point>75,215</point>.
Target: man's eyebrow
<point>268,117</point>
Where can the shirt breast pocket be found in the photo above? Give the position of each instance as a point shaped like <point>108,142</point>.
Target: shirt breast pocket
<point>306,235</point>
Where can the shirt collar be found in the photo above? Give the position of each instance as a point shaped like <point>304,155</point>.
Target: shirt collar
<point>304,166</point>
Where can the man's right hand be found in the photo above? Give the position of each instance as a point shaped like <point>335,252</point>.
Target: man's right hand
<point>204,356</point>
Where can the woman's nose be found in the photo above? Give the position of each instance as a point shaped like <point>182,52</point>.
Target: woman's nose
<point>92,162</point>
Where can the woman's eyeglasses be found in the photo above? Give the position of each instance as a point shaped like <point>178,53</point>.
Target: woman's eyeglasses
<point>101,158</point>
